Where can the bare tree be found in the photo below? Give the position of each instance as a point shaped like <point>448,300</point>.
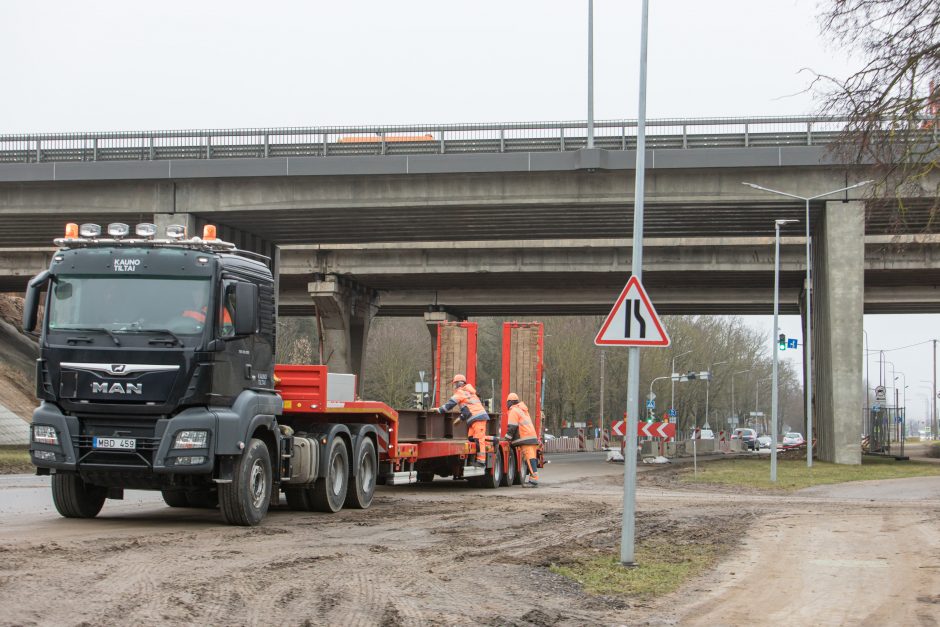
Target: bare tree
<point>893,100</point>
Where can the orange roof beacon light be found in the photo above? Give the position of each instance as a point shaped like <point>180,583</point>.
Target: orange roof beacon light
<point>209,232</point>
<point>71,231</point>
<point>176,231</point>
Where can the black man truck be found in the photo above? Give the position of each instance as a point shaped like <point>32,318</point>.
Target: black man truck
<point>157,372</point>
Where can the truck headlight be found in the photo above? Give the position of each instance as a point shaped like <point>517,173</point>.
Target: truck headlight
<point>44,434</point>
<point>191,439</point>
<point>46,456</point>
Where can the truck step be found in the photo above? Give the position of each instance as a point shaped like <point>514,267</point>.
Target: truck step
<point>401,478</point>
<point>473,471</point>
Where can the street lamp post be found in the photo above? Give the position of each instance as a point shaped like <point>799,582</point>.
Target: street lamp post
<point>708,384</point>
<point>773,394</point>
<point>733,375</point>
<point>672,399</point>
<point>808,337</point>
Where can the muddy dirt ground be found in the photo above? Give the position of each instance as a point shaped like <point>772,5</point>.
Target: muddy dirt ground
<point>446,554</point>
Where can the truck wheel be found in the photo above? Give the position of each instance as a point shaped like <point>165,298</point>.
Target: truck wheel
<point>74,498</point>
<point>175,498</point>
<point>520,467</point>
<point>494,477</point>
<point>509,477</point>
<point>425,477</point>
<point>329,492</point>
<point>359,494</point>
<point>245,500</point>
<point>298,499</point>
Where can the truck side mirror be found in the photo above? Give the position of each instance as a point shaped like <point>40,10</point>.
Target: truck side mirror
<point>31,304</point>
<point>246,308</point>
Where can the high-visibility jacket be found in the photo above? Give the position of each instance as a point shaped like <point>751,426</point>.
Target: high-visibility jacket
<point>520,426</point>
<point>200,316</point>
<point>471,409</point>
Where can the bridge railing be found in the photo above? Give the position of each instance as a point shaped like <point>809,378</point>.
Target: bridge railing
<point>415,139</point>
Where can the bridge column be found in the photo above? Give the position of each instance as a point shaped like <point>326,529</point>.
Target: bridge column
<point>346,310</point>
<point>838,310</point>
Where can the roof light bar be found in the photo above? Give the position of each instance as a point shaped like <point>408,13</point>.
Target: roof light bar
<point>176,231</point>
<point>89,230</point>
<point>146,229</point>
<point>71,231</point>
<point>118,229</point>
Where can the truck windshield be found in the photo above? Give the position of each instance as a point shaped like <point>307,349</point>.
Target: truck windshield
<point>129,305</point>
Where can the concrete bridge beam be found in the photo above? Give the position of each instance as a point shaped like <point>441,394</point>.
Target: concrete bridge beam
<point>345,310</point>
<point>838,321</point>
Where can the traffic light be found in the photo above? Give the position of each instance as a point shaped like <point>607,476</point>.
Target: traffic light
<point>782,342</point>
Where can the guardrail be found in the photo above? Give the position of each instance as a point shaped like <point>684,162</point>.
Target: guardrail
<point>416,139</point>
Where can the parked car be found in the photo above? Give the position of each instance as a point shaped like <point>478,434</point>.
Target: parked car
<point>547,436</point>
<point>748,436</point>
<point>793,439</point>
<point>764,441</point>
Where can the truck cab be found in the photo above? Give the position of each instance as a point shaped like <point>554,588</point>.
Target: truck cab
<point>156,367</point>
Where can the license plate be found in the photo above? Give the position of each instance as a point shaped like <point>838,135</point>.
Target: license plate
<point>127,444</point>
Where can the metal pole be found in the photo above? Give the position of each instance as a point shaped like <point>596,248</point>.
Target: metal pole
<point>773,401</point>
<point>809,350</point>
<point>601,420</point>
<point>590,128</point>
<point>628,531</point>
<point>933,397</point>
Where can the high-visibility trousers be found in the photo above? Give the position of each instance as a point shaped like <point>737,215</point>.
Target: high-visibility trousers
<point>531,460</point>
<point>477,430</point>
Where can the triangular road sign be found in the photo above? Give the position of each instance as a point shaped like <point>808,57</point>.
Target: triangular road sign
<point>633,320</point>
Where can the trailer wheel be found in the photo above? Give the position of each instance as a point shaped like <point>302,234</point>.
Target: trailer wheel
<point>425,476</point>
<point>329,492</point>
<point>359,494</point>
<point>246,499</point>
<point>494,477</point>
<point>509,477</point>
<point>74,498</point>
<point>520,466</point>
<point>175,498</point>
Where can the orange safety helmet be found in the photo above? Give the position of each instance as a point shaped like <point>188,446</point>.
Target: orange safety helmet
<point>512,397</point>
<point>459,378</point>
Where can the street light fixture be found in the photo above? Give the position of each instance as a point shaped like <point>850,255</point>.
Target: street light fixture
<point>808,337</point>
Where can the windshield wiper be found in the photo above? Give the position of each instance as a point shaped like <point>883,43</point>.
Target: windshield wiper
<point>156,340</point>
<point>117,342</point>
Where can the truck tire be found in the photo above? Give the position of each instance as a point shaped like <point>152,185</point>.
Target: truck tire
<point>520,467</point>
<point>74,498</point>
<point>245,500</point>
<point>425,476</point>
<point>329,492</point>
<point>299,498</point>
<point>494,476</point>
<point>509,477</point>
<point>175,498</point>
<point>362,486</point>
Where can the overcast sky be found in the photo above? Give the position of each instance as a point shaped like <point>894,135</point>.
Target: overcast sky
<point>120,65</point>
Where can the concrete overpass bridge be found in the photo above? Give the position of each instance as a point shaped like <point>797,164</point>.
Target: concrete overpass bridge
<point>516,220</point>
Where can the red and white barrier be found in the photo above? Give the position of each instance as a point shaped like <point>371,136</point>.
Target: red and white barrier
<point>581,445</point>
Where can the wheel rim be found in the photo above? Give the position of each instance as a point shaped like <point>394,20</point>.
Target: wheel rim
<point>336,470</point>
<point>498,469</point>
<point>366,473</point>
<point>257,483</point>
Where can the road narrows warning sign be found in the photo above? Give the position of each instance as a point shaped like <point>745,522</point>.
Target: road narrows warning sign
<point>633,321</point>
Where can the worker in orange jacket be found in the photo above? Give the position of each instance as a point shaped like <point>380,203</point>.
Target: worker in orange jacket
<point>521,432</point>
<point>472,411</point>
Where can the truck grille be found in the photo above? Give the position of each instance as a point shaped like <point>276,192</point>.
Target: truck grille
<point>142,431</point>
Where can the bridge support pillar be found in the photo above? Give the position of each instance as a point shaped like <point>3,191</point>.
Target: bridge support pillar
<point>346,310</point>
<point>838,311</point>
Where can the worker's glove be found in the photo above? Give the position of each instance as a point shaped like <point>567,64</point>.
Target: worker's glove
<point>508,437</point>
<point>439,410</point>
<point>457,421</point>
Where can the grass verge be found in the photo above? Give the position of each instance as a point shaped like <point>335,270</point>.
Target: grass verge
<point>794,475</point>
<point>661,569</point>
<point>14,459</point>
